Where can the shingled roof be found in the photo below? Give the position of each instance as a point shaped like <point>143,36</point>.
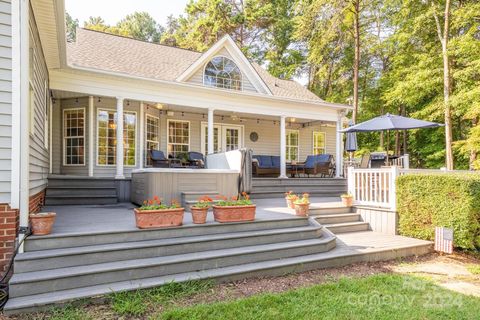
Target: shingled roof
<point>107,52</point>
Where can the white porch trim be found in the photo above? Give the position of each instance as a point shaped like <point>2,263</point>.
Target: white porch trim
<point>91,142</point>
<point>119,146</point>
<point>142,136</point>
<point>283,148</point>
<point>16,101</point>
<point>339,148</point>
<point>210,130</point>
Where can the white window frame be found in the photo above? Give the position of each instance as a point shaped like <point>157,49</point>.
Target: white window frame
<point>98,137</point>
<point>76,137</point>
<point>145,148</point>
<point>287,145</point>
<point>324,141</point>
<point>46,126</point>
<point>229,58</point>
<point>168,133</point>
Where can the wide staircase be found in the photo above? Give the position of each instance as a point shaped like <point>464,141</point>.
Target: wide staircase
<point>339,219</point>
<point>77,190</point>
<point>59,268</point>
<point>317,187</point>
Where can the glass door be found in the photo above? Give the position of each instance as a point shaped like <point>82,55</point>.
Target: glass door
<point>231,138</point>
<point>226,137</point>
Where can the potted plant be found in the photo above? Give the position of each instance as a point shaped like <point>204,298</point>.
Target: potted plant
<point>290,197</point>
<point>302,205</point>
<point>347,199</point>
<point>199,210</point>
<point>235,209</point>
<point>42,222</point>
<point>155,214</point>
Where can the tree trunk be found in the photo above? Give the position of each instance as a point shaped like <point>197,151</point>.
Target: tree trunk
<point>473,152</point>
<point>356,67</point>
<point>446,81</point>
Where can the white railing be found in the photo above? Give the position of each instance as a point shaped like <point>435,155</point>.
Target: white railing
<point>377,187</point>
<point>373,187</point>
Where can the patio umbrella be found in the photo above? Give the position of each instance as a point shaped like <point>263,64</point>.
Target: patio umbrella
<point>351,142</point>
<point>390,122</point>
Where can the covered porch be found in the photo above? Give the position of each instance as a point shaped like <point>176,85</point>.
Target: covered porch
<point>85,129</point>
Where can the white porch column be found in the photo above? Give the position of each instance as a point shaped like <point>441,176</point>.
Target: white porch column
<point>119,174</point>
<point>91,144</point>
<point>24,121</point>
<point>339,148</point>
<point>210,125</point>
<point>142,135</point>
<point>283,149</point>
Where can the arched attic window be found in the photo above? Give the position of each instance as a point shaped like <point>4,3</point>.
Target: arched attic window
<point>222,72</point>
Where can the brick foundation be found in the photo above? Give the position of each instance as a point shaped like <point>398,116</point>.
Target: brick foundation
<point>37,201</point>
<point>9,225</point>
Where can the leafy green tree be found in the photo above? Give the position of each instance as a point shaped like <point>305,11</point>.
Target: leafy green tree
<point>140,26</point>
<point>71,26</point>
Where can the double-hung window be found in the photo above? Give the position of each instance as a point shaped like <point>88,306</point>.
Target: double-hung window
<point>74,137</point>
<point>318,142</point>
<point>152,139</point>
<point>178,137</point>
<point>292,145</point>
<point>107,137</point>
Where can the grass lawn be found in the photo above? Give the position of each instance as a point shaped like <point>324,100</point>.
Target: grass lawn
<point>384,296</point>
<point>404,289</point>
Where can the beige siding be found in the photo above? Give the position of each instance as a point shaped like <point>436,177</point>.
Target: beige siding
<point>268,142</point>
<point>197,77</point>
<point>5,100</point>
<point>39,154</point>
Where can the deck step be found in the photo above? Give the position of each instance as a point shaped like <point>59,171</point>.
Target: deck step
<point>338,228</point>
<point>80,200</point>
<point>333,258</point>
<point>329,219</point>
<point>316,210</point>
<point>37,282</point>
<point>87,255</point>
<point>71,240</point>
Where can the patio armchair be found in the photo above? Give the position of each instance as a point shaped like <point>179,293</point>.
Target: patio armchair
<point>159,160</point>
<point>319,164</point>
<point>196,159</point>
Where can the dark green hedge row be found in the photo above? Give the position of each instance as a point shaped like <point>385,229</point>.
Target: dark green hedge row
<point>425,201</point>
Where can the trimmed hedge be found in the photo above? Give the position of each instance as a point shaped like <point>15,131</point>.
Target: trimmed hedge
<point>425,201</point>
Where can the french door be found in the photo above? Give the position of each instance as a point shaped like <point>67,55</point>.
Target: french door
<point>226,137</point>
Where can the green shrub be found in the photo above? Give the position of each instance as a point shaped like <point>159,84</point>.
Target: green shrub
<point>425,201</point>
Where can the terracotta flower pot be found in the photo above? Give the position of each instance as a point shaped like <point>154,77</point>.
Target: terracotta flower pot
<point>347,201</point>
<point>146,219</point>
<point>42,223</point>
<point>290,203</point>
<point>199,215</point>
<point>234,213</point>
<point>301,209</point>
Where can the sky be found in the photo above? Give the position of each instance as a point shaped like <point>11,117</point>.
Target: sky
<point>113,11</point>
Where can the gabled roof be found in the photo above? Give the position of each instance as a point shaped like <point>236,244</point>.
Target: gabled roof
<point>242,62</point>
<point>107,52</point>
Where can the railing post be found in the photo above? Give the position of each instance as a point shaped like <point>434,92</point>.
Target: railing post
<point>351,181</point>
<point>392,190</point>
<point>406,161</point>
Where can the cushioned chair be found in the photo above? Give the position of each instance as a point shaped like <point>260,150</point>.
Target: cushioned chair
<point>159,160</point>
<point>266,165</point>
<point>319,164</point>
<point>196,159</point>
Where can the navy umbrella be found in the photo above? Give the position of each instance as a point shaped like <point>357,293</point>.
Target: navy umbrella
<point>351,140</point>
<point>391,122</point>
